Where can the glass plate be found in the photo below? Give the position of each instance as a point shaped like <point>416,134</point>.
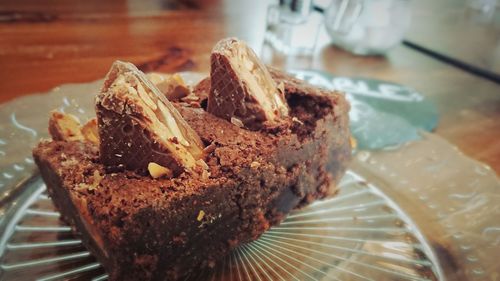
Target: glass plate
<point>422,211</point>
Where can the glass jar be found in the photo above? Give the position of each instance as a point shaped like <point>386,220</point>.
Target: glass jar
<point>293,27</point>
<point>367,27</point>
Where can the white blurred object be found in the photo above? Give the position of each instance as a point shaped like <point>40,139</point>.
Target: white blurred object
<point>482,11</point>
<point>485,6</point>
<point>367,27</point>
<point>292,27</point>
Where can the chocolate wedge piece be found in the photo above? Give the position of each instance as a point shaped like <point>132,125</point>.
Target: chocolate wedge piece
<point>139,126</point>
<point>242,87</point>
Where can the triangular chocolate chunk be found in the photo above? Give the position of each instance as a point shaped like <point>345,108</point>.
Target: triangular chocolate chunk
<point>139,126</point>
<point>242,87</point>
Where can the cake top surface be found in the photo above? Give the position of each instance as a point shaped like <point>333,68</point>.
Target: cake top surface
<point>141,134</point>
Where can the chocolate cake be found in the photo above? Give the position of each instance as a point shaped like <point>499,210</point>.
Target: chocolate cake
<point>161,216</point>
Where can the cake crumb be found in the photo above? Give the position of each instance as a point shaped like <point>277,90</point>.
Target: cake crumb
<point>69,162</point>
<point>184,104</point>
<point>210,148</point>
<point>354,142</point>
<point>90,131</point>
<point>205,174</point>
<point>200,216</point>
<point>237,122</point>
<point>195,104</point>
<point>297,120</point>
<point>96,180</point>
<point>191,97</point>
<point>254,164</point>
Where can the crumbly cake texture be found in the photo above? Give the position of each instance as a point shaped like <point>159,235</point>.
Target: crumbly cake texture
<point>162,229</point>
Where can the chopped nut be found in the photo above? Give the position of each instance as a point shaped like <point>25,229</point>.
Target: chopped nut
<point>205,174</point>
<point>191,97</point>
<point>68,162</point>
<point>67,127</point>
<point>194,104</point>
<point>209,149</point>
<point>157,171</point>
<point>64,127</point>
<point>202,164</point>
<point>354,142</point>
<point>90,131</point>
<point>254,164</point>
<point>297,120</point>
<point>237,122</point>
<point>200,216</point>
<point>96,180</point>
<point>172,86</point>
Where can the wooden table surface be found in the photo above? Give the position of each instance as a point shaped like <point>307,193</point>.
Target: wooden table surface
<point>454,29</point>
<point>47,43</point>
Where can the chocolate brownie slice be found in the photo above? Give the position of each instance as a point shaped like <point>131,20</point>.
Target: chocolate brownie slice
<point>144,228</point>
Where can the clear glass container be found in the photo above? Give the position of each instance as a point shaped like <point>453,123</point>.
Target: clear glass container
<point>367,27</point>
<point>292,27</point>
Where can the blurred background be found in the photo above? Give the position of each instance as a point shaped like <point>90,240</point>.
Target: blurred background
<point>81,38</point>
<point>406,66</point>
<point>446,50</point>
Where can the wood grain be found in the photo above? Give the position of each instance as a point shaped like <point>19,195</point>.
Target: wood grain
<point>45,45</point>
<point>454,29</point>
